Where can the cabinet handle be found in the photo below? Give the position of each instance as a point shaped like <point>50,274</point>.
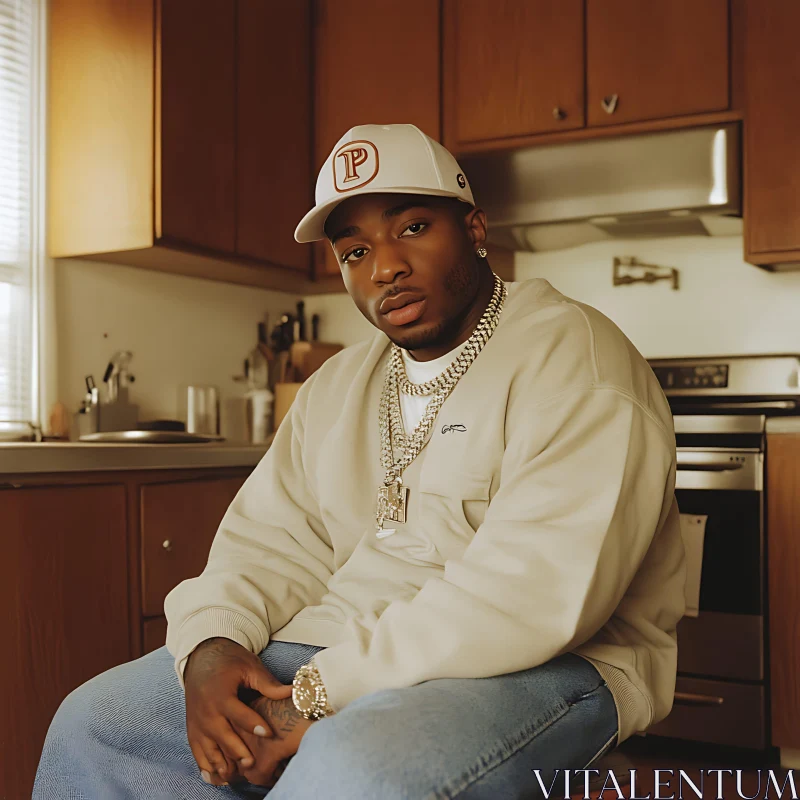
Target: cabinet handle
<point>167,545</point>
<point>610,103</point>
<point>692,699</point>
<point>559,113</point>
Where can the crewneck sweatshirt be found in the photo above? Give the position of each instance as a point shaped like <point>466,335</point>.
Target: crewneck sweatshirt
<point>541,520</point>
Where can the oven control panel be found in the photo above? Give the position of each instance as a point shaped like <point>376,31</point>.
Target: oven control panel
<point>704,376</point>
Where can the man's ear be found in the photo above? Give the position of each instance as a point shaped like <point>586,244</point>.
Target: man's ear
<point>475,222</point>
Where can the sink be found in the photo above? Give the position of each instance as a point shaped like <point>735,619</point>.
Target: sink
<point>150,437</point>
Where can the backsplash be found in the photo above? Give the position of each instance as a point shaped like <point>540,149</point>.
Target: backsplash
<point>185,330</point>
<point>181,331</point>
<point>724,306</point>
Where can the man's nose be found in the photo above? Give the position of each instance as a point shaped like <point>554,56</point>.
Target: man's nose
<point>387,263</point>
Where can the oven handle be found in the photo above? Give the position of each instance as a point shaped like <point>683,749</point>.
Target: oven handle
<point>692,699</point>
<point>730,469</point>
<point>711,465</point>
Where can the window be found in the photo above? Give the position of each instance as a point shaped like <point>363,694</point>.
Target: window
<point>19,145</point>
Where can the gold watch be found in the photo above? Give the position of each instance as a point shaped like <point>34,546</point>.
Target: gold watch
<point>308,693</point>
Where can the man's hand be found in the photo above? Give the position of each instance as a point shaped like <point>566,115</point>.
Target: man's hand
<point>288,725</point>
<point>216,718</point>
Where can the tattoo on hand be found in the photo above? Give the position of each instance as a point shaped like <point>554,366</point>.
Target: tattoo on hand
<point>282,715</point>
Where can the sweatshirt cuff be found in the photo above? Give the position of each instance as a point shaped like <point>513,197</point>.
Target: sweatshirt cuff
<point>347,674</point>
<point>211,623</point>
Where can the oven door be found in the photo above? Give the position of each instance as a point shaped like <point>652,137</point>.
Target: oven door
<point>726,639</point>
<point>721,651</point>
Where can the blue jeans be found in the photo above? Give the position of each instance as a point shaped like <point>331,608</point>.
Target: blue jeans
<point>122,735</point>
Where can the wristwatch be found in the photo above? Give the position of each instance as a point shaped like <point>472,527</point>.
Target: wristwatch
<point>308,693</point>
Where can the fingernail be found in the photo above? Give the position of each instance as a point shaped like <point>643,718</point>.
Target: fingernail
<point>206,776</point>
<point>260,730</point>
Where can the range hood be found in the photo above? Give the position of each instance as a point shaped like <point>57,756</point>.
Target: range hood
<point>678,183</point>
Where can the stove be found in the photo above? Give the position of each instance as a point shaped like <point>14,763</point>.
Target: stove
<point>720,408</point>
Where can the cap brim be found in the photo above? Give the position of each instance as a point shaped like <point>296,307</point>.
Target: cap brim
<point>312,227</point>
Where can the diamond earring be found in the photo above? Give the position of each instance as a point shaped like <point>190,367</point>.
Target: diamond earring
<point>482,252</point>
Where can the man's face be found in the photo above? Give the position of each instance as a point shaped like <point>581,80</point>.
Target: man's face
<point>409,263</point>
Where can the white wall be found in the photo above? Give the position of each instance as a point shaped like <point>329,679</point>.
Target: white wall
<point>724,306</point>
<point>181,331</point>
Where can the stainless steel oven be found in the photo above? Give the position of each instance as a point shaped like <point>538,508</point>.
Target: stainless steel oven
<point>720,407</point>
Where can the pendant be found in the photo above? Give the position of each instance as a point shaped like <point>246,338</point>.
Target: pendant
<point>392,499</point>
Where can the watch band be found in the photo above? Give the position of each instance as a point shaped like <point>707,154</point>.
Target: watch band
<point>309,695</point>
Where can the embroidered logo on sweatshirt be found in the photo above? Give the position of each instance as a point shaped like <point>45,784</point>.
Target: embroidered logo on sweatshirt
<point>459,428</point>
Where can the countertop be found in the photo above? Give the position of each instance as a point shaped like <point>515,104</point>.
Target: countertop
<point>33,457</point>
<point>783,424</point>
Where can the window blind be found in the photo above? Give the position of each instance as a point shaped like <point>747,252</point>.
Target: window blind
<point>17,148</point>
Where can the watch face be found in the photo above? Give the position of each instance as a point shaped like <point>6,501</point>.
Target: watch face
<point>303,695</point>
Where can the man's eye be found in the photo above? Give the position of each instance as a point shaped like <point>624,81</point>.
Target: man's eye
<point>354,253</point>
<point>419,226</point>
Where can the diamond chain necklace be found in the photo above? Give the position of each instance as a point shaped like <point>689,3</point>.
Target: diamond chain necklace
<point>392,495</point>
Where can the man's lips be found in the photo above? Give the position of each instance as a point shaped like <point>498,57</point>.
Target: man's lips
<point>399,300</point>
<point>407,313</point>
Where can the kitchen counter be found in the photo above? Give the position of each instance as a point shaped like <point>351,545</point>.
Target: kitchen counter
<point>783,424</point>
<point>34,457</point>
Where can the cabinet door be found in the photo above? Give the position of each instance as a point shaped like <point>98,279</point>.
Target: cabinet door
<point>512,68</point>
<point>64,596</point>
<point>661,59</point>
<point>375,62</point>
<point>783,558</point>
<point>772,156</point>
<point>196,118</point>
<point>154,634</point>
<point>179,521</point>
<point>274,185</point>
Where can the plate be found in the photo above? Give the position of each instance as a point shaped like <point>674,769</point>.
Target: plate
<point>150,437</point>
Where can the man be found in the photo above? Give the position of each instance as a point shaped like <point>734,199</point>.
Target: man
<point>459,562</point>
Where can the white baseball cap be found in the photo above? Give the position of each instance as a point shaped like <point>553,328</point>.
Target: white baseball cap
<point>382,158</point>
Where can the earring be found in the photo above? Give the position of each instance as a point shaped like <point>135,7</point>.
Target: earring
<point>482,252</point>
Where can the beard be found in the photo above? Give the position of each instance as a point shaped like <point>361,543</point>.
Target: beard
<point>461,282</point>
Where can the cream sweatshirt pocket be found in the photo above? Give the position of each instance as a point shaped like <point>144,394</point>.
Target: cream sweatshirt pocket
<point>452,506</point>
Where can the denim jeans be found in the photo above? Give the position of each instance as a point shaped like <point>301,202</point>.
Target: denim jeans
<point>122,735</point>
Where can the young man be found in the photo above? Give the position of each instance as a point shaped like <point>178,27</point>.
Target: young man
<point>462,548</point>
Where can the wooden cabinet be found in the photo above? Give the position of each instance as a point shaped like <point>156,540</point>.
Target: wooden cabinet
<point>179,136</point>
<point>783,559</point>
<point>521,72</point>
<point>85,575</point>
<point>178,523</point>
<point>512,68</point>
<point>655,60</point>
<point>375,63</point>
<point>772,157</point>
<point>64,595</point>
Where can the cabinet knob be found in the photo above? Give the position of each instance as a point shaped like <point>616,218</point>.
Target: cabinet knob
<point>609,103</point>
<point>167,544</point>
<point>559,113</point>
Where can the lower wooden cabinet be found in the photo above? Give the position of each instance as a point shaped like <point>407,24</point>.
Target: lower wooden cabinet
<point>85,573</point>
<point>65,599</point>
<point>783,558</point>
<point>154,634</point>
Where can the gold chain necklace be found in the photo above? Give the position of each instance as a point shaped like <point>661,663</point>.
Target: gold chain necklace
<point>392,495</point>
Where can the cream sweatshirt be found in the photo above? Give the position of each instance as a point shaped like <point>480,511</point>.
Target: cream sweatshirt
<point>544,523</point>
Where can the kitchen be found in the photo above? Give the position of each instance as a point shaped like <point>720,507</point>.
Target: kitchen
<point>168,141</point>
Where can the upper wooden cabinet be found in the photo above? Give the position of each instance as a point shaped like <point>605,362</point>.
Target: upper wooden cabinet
<point>772,156</point>
<point>179,136</point>
<point>375,63</point>
<point>655,60</point>
<point>512,68</point>
<point>519,70</point>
